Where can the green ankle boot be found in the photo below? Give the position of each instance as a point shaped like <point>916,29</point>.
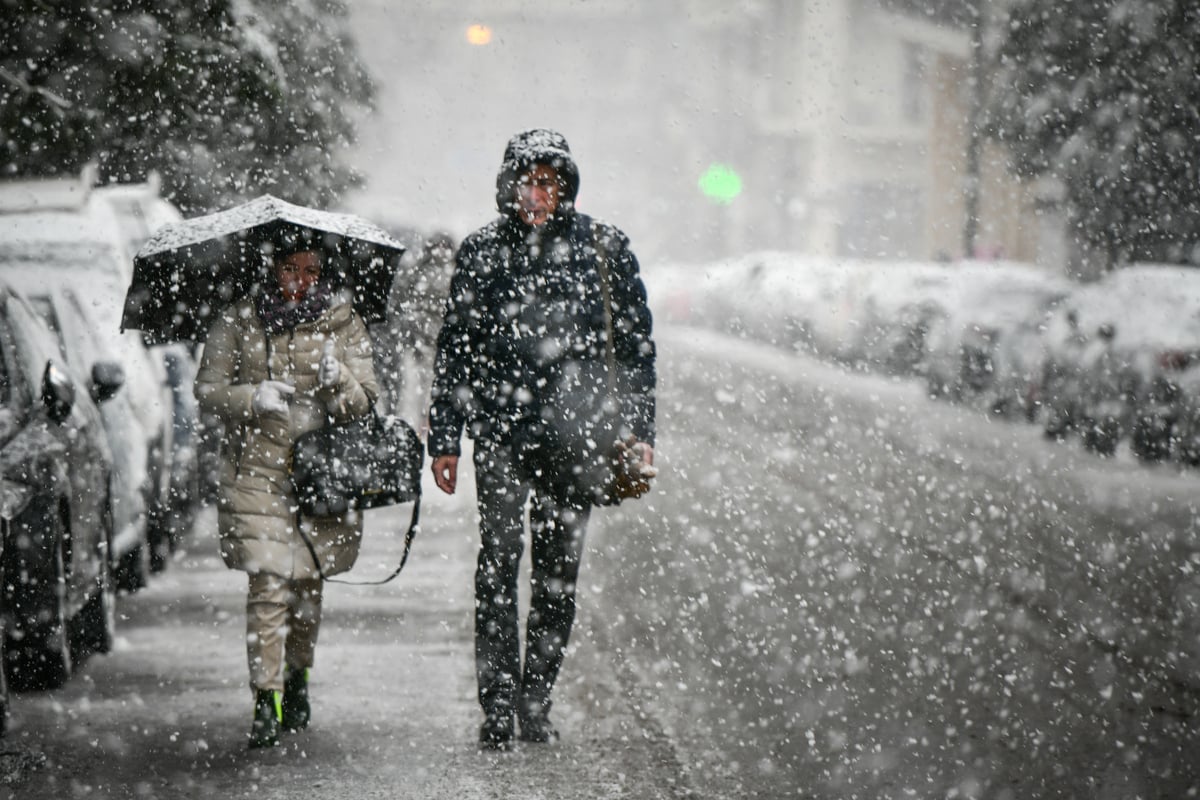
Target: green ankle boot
<point>296,710</point>
<point>264,732</point>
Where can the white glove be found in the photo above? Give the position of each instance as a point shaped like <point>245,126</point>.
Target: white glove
<point>270,397</point>
<point>328,370</point>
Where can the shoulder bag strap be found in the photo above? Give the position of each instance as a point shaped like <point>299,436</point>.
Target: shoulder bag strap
<point>610,356</point>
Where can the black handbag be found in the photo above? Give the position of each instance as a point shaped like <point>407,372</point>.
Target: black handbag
<point>364,463</point>
<point>585,466</point>
<point>367,462</point>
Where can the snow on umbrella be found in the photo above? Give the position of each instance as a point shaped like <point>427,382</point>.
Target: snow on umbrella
<point>189,271</point>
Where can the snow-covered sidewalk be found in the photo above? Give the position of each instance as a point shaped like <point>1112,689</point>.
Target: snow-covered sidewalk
<point>395,715</point>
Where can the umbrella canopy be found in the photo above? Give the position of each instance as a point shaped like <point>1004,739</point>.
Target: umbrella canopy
<point>188,271</point>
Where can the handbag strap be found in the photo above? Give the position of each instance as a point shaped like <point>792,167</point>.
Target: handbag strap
<point>414,524</point>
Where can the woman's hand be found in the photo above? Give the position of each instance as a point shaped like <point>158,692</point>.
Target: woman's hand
<point>445,473</point>
<point>270,397</point>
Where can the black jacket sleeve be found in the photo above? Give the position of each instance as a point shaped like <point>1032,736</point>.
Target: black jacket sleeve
<point>456,348</point>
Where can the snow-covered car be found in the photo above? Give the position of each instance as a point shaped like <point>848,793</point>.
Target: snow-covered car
<point>61,232</point>
<point>58,600</point>
<point>968,358</point>
<point>899,305</point>
<point>1019,370</point>
<point>1136,329</point>
<point>1163,416</point>
<point>140,210</point>
<point>82,343</point>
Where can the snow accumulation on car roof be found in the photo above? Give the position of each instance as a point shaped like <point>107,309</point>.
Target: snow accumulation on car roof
<point>40,194</point>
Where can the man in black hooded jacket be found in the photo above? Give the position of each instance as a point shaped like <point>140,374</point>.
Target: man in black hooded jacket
<point>523,343</point>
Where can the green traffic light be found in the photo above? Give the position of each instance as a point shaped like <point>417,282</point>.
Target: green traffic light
<point>720,184</point>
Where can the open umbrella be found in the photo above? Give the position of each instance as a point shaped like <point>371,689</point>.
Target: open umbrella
<point>188,271</point>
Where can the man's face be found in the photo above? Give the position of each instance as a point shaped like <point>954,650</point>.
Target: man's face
<point>297,273</point>
<point>537,194</point>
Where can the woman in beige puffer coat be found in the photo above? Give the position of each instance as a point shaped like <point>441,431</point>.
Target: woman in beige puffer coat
<point>275,366</point>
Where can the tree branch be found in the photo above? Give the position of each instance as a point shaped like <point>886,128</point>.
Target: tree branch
<point>60,102</point>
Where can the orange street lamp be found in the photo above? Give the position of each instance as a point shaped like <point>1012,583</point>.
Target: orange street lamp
<point>479,34</point>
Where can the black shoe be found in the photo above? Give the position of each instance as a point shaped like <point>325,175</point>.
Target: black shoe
<point>496,733</point>
<point>264,732</point>
<point>296,710</point>
<point>538,730</point>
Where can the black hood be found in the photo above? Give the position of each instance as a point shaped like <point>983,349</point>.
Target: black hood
<point>536,146</point>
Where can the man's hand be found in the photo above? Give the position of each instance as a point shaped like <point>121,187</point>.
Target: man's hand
<point>638,457</point>
<point>445,473</point>
<point>645,453</point>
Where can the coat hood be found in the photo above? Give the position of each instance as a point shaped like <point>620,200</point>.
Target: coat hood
<point>536,146</point>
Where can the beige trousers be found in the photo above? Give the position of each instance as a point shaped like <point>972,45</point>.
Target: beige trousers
<point>282,620</point>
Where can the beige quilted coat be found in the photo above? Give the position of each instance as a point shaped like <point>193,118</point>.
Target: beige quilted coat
<point>256,506</point>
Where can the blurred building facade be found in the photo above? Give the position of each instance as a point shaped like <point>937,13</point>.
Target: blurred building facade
<point>866,147</point>
<point>842,127</point>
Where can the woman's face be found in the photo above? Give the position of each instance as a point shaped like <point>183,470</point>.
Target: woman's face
<point>297,273</point>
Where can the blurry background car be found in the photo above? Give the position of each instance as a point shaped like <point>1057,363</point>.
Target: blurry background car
<point>1019,368</point>
<point>140,210</point>
<point>55,470</point>
<point>1162,417</point>
<point>1132,332</point>
<point>969,358</point>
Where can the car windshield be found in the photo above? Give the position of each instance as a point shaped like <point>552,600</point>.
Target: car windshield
<point>32,349</point>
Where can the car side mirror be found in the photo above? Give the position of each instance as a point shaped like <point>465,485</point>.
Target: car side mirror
<point>58,392</point>
<point>107,379</point>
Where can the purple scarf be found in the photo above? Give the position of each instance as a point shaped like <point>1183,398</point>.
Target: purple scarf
<point>279,315</point>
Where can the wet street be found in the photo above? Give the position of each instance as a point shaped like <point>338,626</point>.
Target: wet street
<point>840,589</point>
<point>845,589</point>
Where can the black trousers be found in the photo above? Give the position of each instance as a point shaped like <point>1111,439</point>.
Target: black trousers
<point>557,529</point>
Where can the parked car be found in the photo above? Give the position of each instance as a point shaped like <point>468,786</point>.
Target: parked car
<point>896,305</point>
<point>1019,367</point>
<point>62,226</point>
<point>83,341</point>
<point>1163,418</point>
<point>1137,328</point>
<point>141,210</point>
<point>970,357</point>
<point>57,597</point>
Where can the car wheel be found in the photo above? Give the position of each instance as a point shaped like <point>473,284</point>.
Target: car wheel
<point>1100,436</point>
<point>4,529</point>
<point>133,569</point>
<point>1150,440</point>
<point>3,688</point>
<point>38,650</point>
<point>96,625</point>
<point>1189,449</point>
<point>158,536</point>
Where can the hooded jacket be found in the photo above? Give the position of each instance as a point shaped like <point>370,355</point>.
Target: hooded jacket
<point>523,334</point>
<point>256,503</point>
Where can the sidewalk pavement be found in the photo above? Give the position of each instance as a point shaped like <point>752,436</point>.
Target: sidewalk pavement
<point>394,710</point>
